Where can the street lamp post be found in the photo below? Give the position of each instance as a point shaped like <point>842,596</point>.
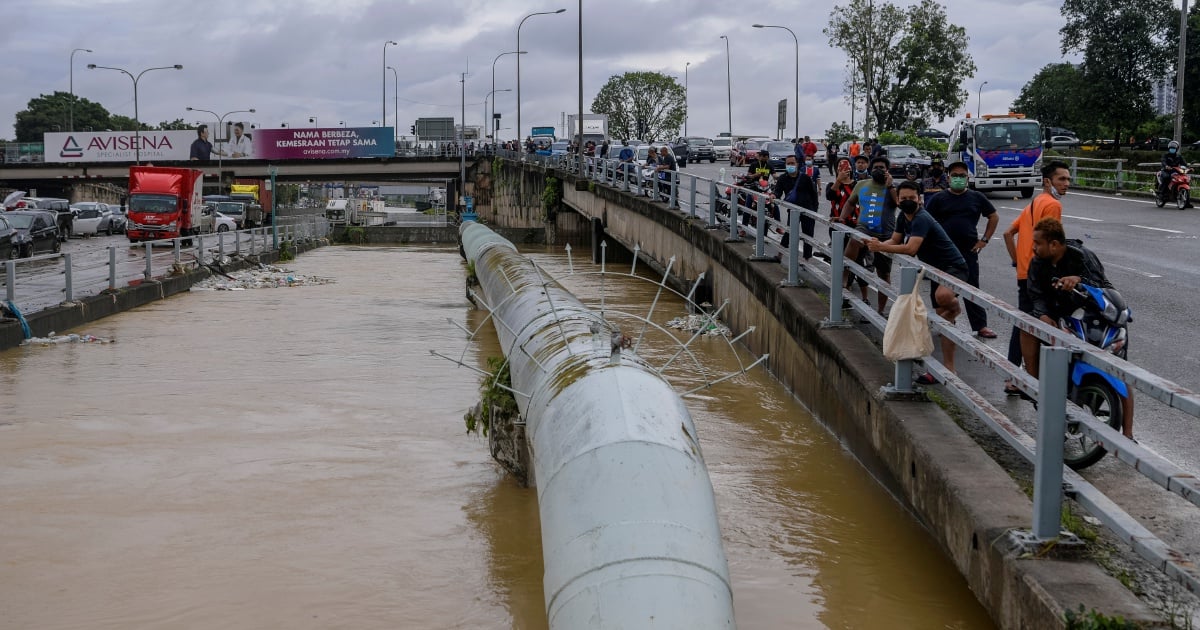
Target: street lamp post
<point>511,52</point>
<point>137,135</point>
<point>522,23</point>
<point>395,104</point>
<point>797,103</point>
<point>486,123</point>
<point>383,81</point>
<point>71,126</point>
<point>728,87</point>
<point>979,99</point>
<point>220,122</point>
<point>685,97</point>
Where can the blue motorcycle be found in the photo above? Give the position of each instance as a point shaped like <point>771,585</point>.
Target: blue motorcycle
<point>1101,318</point>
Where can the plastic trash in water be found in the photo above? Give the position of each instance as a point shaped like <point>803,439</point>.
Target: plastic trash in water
<point>55,340</point>
<point>697,323</point>
<point>264,277</point>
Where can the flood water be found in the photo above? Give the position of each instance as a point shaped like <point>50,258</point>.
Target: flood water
<point>295,458</point>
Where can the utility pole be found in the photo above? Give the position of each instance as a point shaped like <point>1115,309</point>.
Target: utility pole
<point>1179,71</point>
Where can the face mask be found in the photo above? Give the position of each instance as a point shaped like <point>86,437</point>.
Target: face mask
<point>908,206</point>
<point>808,162</point>
<point>1172,151</point>
<point>958,183</point>
<point>791,169</point>
<point>1054,193</point>
<point>878,176</point>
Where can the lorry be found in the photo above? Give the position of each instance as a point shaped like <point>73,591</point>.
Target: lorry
<point>542,137</point>
<point>1002,151</point>
<point>595,128</point>
<point>165,202</point>
<point>253,193</point>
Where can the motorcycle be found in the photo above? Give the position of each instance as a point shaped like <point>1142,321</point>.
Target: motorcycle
<point>1178,189</point>
<point>1100,318</point>
<point>747,184</point>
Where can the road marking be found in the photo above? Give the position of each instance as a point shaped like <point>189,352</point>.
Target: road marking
<point>1147,227</point>
<point>1109,197</point>
<point>1140,273</point>
<point>1071,216</point>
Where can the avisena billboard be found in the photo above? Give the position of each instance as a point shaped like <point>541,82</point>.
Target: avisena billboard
<point>260,144</point>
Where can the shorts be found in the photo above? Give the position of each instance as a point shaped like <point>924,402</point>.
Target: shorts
<point>956,271</point>
<point>883,262</point>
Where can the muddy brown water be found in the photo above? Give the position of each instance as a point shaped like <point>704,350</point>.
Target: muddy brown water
<point>295,458</point>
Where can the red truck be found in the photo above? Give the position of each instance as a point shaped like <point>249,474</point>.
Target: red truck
<point>165,202</point>
<point>259,190</point>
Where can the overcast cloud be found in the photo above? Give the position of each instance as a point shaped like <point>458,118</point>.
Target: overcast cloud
<point>301,58</point>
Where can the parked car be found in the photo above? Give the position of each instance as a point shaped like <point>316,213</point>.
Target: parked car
<point>1153,144</point>
<point>644,149</point>
<point>118,218</point>
<point>902,156</point>
<point>822,156</point>
<point>745,151</point>
<point>779,150</point>
<point>722,147</point>
<point>61,207</point>
<point>700,149</point>
<point>106,215</point>
<point>1061,142</point>
<point>36,231</point>
<point>679,148</point>
<point>8,248</point>
<point>235,210</point>
<point>87,221</point>
<point>222,223</point>
<point>559,148</point>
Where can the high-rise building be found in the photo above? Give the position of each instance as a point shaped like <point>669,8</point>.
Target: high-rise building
<point>1162,97</point>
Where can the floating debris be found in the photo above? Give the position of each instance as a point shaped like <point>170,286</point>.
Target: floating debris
<point>694,323</point>
<point>265,277</point>
<point>54,340</point>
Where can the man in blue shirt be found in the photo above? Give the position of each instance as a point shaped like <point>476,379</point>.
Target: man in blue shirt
<point>918,234</point>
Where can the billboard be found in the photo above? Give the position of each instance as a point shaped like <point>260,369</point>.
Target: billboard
<point>117,146</point>
<point>323,144</point>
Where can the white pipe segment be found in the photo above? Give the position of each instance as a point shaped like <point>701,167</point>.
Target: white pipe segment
<point>629,522</point>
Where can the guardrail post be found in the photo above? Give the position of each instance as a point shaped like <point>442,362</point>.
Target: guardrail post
<point>793,279</point>
<point>625,176</point>
<point>641,188</point>
<point>200,249</point>
<point>837,269</point>
<point>760,233</point>
<point>221,244</point>
<point>70,288</point>
<point>1048,469</point>
<point>902,380</point>
<point>673,202</point>
<point>149,256</point>
<point>10,280</point>
<point>734,215</point>
<point>1074,169</point>
<point>252,241</point>
<point>176,243</point>
<point>237,243</point>
<point>692,203</point>
<point>1117,183</point>
<point>712,204</point>
<point>112,267</point>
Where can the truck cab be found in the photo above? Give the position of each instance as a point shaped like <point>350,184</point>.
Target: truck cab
<point>1002,152</point>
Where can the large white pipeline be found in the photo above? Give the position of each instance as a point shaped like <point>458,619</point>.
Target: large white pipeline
<point>629,522</point>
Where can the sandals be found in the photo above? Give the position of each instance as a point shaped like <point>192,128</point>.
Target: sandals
<point>927,379</point>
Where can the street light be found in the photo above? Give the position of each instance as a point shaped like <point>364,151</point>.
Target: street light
<point>314,121</point>
<point>71,127</point>
<point>395,105</point>
<point>511,52</point>
<point>383,82</point>
<point>486,123</point>
<point>220,122</point>
<point>728,87</point>
<point>519,63</point>
<point>685,97</point>
<point>137,135</point>
<point>797,40</point>
<point>979,99</point>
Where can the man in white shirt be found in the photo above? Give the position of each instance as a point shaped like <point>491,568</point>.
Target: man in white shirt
<point>239,145</point>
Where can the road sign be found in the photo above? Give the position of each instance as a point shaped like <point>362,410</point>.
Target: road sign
<point>782,114</point>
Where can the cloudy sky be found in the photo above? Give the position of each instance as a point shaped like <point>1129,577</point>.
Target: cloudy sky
<point>301,58</point>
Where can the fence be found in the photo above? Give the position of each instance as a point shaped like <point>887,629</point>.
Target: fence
<point>744,213</point>
<point>42,281</point>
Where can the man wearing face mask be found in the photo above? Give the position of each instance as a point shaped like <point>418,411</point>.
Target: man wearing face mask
<point>797,187</point>
<point>1171,160</point>
<point>860,168</point>
<point>1018,239</point>
<point>958,210</point>
<point>874,201</point>
<point>935,181</point>
<point>918,234</point>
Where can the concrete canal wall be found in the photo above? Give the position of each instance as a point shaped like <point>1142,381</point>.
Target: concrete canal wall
<point>966,500</point>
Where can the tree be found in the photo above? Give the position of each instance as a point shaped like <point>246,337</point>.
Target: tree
<point>48,113</point>
<point>1057,96</point>
<point>175,125</point>
<point>646,104</point>
<point>117,122</point>
<point>838,133</point>
<point>1126,46</point>
<point>910,63</point>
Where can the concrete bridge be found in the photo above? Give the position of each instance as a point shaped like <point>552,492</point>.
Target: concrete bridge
<point>968,502</point>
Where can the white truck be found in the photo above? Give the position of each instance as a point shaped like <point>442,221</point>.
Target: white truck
<point>595,127</point>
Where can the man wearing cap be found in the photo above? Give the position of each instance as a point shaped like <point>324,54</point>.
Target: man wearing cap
<point>958,210</point>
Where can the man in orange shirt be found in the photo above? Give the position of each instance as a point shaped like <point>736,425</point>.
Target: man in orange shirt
<point>1018,239</point>
<point>853,150</point>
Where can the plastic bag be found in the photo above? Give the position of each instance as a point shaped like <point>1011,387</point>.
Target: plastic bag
<point>907,333</point>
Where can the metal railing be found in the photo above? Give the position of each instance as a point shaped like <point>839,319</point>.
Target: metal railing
<point>43,281</point>
<point>742,212</point>
<point>1114,175</point>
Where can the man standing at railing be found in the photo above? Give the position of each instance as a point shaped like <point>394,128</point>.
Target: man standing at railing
<point>958,210</point>
<point>1018,239</point>
<point>873,201</point>
<point>918,234</point>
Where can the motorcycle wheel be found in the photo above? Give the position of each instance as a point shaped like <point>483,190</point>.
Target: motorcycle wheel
<point>1159,199</point>
<point>1099,399</point>
<point>1181,199</point>
<point>57,246</point>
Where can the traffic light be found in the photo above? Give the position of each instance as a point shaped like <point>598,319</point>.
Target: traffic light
<point>414,129</point>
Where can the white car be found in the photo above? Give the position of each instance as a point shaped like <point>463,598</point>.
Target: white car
<point>225,224</point>
<point>87,221</point>
<point>723,146</point>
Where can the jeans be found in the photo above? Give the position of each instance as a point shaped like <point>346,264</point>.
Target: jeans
<point>976,314</point>
<point>1025,305</point>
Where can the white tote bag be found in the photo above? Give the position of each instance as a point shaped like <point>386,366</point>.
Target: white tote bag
<point>907,333</point>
